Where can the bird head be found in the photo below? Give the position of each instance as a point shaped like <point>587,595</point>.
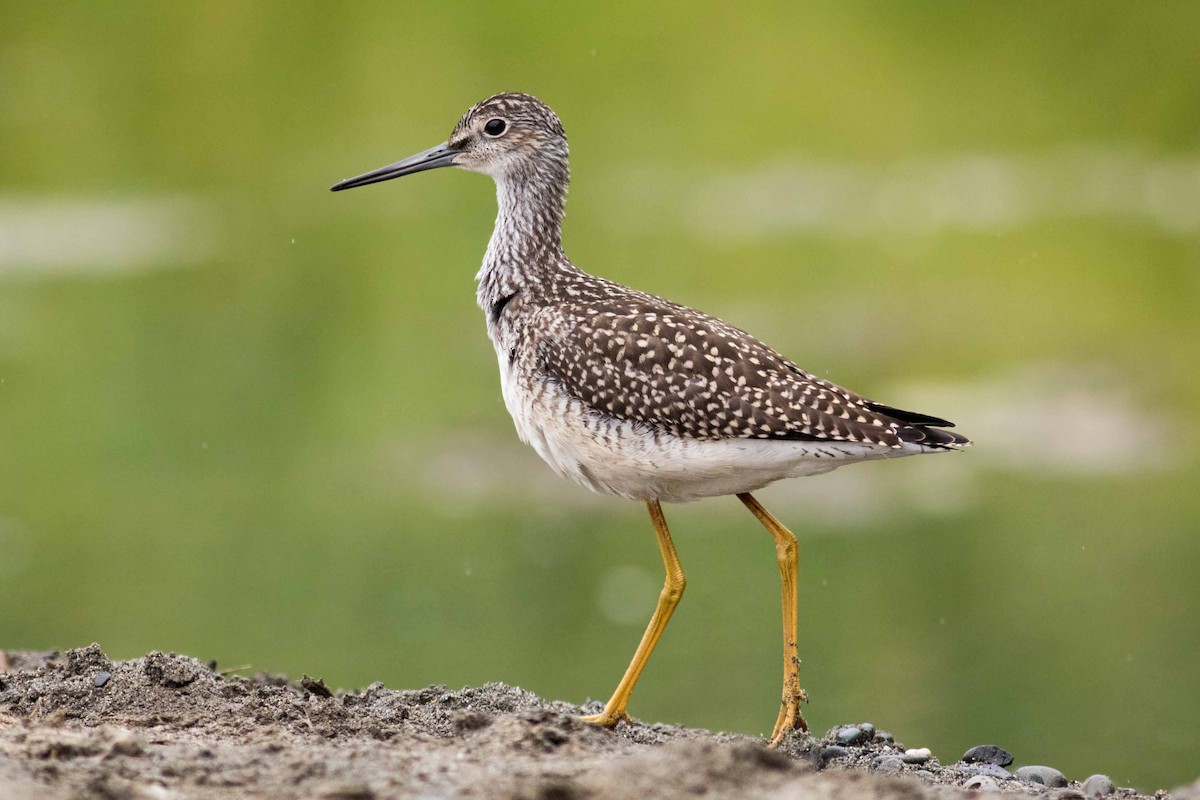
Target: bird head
<point>503,136</point>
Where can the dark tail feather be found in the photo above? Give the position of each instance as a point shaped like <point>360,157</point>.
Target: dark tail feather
<point>911,417</point>
<point>933,437</point>
<point>923,429</point>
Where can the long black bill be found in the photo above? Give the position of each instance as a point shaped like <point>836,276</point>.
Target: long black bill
<point>434,157</point>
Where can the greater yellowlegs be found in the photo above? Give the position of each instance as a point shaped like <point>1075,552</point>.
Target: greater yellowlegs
<point>639,397</point>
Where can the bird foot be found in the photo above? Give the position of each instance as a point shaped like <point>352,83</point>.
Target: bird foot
<point>607,718</point>
<point>790,718</point>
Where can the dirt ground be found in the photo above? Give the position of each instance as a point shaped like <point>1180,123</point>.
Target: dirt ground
<point>77,726</point>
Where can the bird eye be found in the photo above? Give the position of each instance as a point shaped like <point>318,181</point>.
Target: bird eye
<point>495,127</point>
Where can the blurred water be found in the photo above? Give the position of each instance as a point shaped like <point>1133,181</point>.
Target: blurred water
<point>246,419</point>
<point>982,192</point>
<point>51,237</point>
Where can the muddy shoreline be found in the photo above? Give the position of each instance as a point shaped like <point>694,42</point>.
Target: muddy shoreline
<point>78,726</point>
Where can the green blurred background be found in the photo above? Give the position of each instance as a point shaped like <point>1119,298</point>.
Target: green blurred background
<point>246,419</point>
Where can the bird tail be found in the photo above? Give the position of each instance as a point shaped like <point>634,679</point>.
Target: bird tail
<point>923,429</point>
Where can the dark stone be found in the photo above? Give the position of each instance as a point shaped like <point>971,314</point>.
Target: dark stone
<point>889,764</point>
<point>988,754</point>
<point>101,679</point>
<point>829,753</point>
<point>991,770</point>
<point>820,757</point>
<point>1046,776</point>
<point>851,735</point>
<point>1098,786</point>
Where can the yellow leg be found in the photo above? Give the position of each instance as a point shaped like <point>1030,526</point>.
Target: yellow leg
<point>786,549</point>
<point>614,710</point>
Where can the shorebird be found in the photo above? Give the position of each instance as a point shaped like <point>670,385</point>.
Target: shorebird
<point>639,397</point>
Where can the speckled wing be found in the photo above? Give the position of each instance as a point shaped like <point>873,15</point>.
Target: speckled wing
<point>676,369</point>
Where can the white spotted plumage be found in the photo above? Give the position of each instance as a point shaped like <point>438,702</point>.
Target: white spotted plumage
<point>636,396</point>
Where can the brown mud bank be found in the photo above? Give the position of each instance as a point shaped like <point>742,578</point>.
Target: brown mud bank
<point>77,726</point>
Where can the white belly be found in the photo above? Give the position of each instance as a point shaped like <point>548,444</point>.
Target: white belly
<point>630,460</point>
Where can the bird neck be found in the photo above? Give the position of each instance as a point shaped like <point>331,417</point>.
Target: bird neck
<point>526,244</point>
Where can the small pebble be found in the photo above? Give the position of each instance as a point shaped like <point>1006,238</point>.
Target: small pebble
<point>924,773</point>
<point>988,754</point>
<point>1046,776</point>
<point>982,783</point>
<point>867,728</point>
<point>991,770</point>
<point>889,764</point>
<point>851,735</point>
<point>101,679</point>
<point>1068,794</point>
<point>885,737</point>
<point>917,755</point>
<point>1098,786</point>
<point>831,752</point>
